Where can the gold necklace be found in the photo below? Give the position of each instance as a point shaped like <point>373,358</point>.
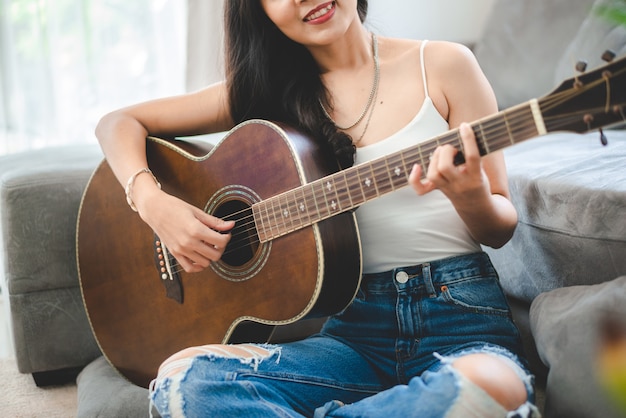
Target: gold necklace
<point>373,92</point>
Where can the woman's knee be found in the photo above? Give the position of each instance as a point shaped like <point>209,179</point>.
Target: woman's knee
<point>495,376</point>
<point>181,360</point>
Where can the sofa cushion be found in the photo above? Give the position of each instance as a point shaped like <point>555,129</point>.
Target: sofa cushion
<point>567,327</point>
<point>51,331</point>
<point>40,193</point>
<point>103,392</point>
<point>570,194</point>
<point>597,34</point>
<point>523,41</point>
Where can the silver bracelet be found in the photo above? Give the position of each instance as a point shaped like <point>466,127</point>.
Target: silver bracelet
<point>131,181</point>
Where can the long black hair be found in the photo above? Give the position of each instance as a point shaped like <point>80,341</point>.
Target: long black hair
<point>271,77</point>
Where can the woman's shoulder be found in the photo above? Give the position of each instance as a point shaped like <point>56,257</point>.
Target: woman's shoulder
<point>408,44</point>
<point>447,61</point>
<point>448,55</point>
<point>439,54</point>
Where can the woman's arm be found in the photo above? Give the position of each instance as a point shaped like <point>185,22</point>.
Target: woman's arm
<point>122,133</point>
<point>192,236</point>
<point>478,189</point>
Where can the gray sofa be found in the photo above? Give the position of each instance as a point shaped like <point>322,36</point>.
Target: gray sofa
<point>561,270</point>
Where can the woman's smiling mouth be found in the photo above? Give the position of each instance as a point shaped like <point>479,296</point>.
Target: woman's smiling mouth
<point>321,14</point>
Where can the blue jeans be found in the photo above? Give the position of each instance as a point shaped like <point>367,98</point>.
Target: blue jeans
<point>388,354</point>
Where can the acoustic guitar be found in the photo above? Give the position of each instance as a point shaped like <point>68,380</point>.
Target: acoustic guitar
<point>295,250</point>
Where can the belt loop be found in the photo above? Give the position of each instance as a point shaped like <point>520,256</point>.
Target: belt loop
<point>428,280</point>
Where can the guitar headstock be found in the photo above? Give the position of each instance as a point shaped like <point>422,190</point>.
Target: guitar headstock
<point>589,101</point>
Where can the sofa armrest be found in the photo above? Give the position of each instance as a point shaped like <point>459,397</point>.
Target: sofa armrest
<point>40,193</point>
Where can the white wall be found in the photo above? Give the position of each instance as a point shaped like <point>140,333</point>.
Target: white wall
<point>452,20</point>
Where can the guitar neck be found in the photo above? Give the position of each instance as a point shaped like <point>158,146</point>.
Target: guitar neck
<point>350,188</point>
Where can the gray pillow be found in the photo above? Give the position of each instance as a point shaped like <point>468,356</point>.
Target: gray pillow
<point>597,34</point>
<point>566,325</point>
<point>104,393</point>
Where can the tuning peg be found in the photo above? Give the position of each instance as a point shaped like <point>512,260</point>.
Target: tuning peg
<point>603,139</point>
<point>581,66</point>
<point>608,55</point>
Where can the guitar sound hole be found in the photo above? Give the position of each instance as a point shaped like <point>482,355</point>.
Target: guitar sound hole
<point>244,241</point>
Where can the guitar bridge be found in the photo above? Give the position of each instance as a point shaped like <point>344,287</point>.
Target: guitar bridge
<point>169,275</point>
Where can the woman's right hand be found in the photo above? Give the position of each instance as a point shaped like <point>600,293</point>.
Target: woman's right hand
<point>192,236</point>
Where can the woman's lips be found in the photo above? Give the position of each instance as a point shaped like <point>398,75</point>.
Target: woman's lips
<point>321,14</point>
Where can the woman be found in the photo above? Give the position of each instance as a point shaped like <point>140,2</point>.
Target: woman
<point>429,333</point>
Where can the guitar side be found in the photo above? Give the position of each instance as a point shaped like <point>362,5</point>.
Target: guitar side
<point>311,272</point>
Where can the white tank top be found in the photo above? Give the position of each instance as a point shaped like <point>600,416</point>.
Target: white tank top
<point>402,228</point>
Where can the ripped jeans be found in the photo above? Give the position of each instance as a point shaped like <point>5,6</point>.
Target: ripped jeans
<point>388,354</point>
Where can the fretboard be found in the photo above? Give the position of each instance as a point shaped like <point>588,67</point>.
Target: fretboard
<point>350,188</point>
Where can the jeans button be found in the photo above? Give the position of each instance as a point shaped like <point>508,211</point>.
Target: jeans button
<point>402,277</point>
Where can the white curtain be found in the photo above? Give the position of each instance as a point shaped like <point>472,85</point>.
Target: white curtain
<point>205,52</point>
<point>64,63</point>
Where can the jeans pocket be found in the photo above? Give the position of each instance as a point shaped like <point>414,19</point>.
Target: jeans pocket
<point>477,295</point>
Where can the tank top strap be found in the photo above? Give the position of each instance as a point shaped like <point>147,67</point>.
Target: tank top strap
<point>422,47</point>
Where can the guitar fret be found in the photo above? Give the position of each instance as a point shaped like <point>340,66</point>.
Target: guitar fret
<point>397,171</point>
<point>482,143</point>
<point>332,198</point>
<point>366,180</point>
<point>382,179</point>
<point>323,211</point>
<point>341,189</point>
<point>269,230</point>
<point>508,128</point>
<point>266,220</point>
<point>422,160</point>
<point>458,142</point>
<point>519,124</point>
<point>429,149</point>
<point>294,204</point>
<point>258,221</point>
<point>283,214</point>
<point>355,190</point>
<point>303,206</point>
<point>315,204</point>
<point>480,139</point>
<point>297,220</point>
<point>531,128</point>
<point>275,210</point>
<point>275,215</point>
<point>292,210</point>
<point>523,130</point>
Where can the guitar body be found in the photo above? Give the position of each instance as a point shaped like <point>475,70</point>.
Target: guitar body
<point>311,272</point>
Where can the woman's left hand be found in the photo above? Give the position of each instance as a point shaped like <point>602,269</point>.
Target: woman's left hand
<point>489,215</point>
<point>463,183</point>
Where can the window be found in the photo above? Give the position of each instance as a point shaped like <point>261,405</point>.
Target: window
<point>65,63</point>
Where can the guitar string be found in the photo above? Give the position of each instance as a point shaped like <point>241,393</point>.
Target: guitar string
<point>514,125</point>
<point>246,229</point>
<point>299,222</point>
<point>493,126</point>
<point>242,230</point>
<point>250,229</point>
